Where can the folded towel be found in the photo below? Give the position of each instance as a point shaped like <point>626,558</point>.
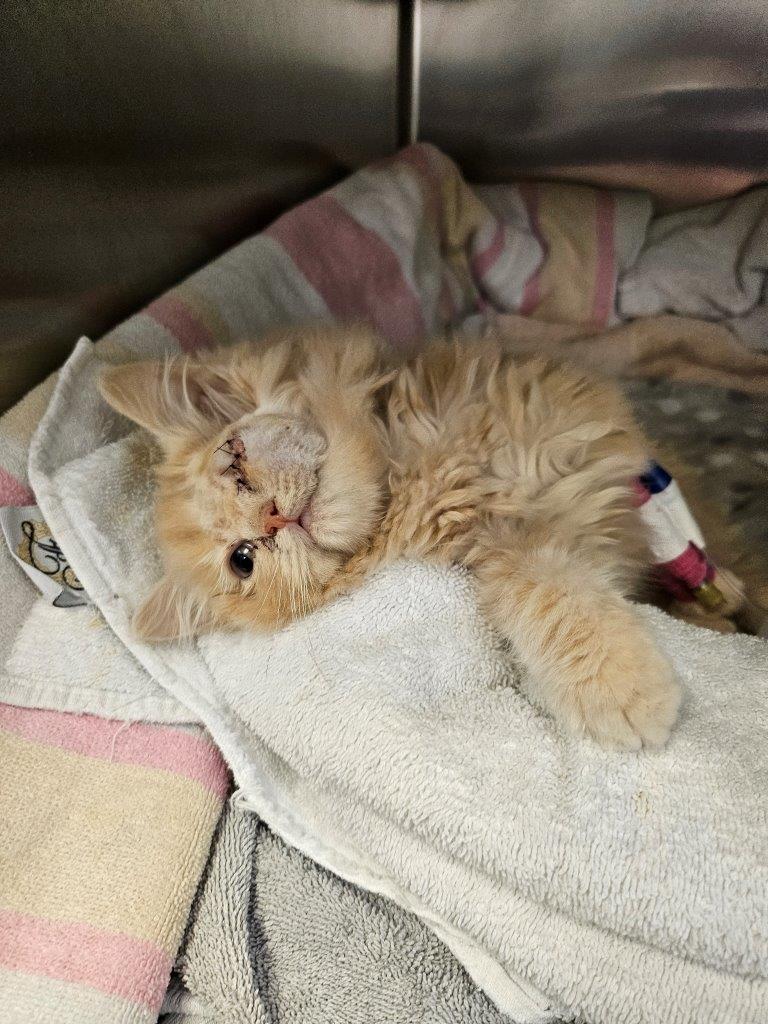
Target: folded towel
<point>385,737</point>
<point>273,936</point>
<point>104,831</point>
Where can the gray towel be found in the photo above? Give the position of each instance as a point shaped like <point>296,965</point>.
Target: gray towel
<point>275,937</point>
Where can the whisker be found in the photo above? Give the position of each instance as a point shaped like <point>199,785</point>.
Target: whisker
<point>267,590</point>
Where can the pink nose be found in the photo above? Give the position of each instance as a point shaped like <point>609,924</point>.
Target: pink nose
<point>274,521</point>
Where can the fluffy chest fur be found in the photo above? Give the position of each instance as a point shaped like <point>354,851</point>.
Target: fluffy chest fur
<point>478,440</point>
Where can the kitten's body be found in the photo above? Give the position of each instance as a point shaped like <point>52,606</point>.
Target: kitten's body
<point>329,462</point>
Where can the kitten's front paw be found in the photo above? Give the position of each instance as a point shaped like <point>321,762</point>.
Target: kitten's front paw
<point>630,701</point>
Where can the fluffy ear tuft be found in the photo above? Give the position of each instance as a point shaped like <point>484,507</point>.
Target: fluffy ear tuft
<point>135,391</point>
<point>169,613</point>
<point>172,397</point>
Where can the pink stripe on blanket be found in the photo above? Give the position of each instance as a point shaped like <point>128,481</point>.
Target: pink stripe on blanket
<point>605,271</point>
<point>13,492</point>
<point>532,291</point>
<point>137,743</point>
<point>172,314</point>
<point>355,272</point>
<point>120,965</point>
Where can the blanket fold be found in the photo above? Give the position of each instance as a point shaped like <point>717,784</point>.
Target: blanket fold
<point>93,811</point>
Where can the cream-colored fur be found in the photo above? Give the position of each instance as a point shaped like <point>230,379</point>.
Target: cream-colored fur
<point>520,470</point>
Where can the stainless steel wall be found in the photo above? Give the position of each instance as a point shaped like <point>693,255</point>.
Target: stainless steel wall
<point>181,74</point>
<point>511,86</point>
<point>140,138</point>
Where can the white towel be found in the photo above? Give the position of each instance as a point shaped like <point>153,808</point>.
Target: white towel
<point>385,737</point>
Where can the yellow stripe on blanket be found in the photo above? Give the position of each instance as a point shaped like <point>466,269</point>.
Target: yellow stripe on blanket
<point>119,846</point>
<point>576,281</point>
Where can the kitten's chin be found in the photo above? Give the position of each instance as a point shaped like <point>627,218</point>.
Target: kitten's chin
<point>298,534</point>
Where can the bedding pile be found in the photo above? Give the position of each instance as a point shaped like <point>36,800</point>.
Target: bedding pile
<point>567,881</point>
<point>274,936</point>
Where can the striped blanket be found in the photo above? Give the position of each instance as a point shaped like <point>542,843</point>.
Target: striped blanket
<point>105,823</point>
<point>105,828</point>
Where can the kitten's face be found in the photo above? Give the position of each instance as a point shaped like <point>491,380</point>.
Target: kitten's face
<point>258,517</point>
<point>256,514</point>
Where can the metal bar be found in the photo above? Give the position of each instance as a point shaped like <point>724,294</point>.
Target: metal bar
<point>408,70</point>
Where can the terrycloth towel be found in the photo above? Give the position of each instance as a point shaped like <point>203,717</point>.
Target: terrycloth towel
<point>273,936</point>
<point>104,831</point>
<point>385,738</point>
<point>589,238</point>
<point>105,822</point>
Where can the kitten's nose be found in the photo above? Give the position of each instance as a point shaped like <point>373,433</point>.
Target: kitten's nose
<point>274,521</point>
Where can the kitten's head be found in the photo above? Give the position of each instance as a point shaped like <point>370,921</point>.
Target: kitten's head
<point>271,478</point>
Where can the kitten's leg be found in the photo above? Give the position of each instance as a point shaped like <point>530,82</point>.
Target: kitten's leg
<point>590,658</point>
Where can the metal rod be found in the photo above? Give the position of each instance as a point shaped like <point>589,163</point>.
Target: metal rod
<point>408,70</point>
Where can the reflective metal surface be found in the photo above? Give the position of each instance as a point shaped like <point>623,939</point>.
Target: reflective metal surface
<point>226,74</point>
<point>511,86</point>
<point>139,139</point>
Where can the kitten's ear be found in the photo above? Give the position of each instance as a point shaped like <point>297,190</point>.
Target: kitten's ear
<point>171,397</point>
<point>169,613</point>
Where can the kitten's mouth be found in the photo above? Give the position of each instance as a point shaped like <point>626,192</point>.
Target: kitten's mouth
<point>298,530</point>
<point>301,527</point>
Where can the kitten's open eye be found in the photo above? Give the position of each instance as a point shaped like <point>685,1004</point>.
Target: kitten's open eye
<point>241,560</point>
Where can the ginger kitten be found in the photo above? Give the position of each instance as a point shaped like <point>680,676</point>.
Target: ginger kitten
<point>294,468</point>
